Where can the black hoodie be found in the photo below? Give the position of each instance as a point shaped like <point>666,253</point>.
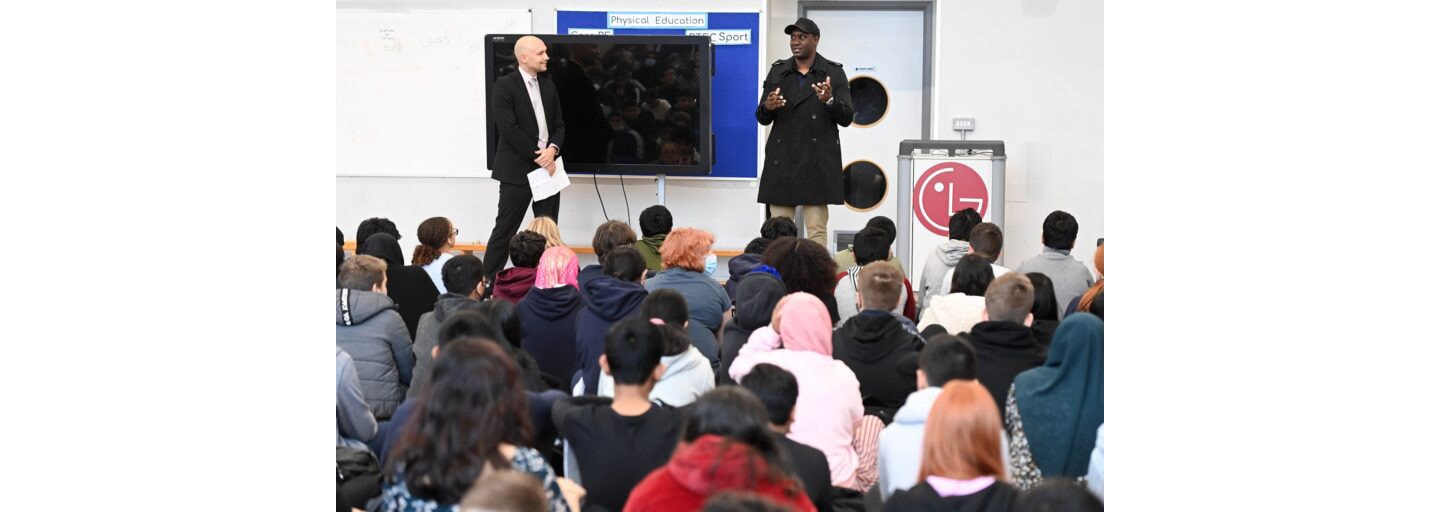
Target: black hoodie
<point>1002,351</point>
<point>548,317</point>
<point>409,286</point>
<point>755,299</point>
<point>607,300</point>
<point>872,344</point>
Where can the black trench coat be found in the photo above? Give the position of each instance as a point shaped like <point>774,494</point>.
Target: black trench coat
<point>802,154</point>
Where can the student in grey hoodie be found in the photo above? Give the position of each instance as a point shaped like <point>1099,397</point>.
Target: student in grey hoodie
<point>463,277</point>
<point>932,278</point>
<point>1069,277</point>
<point>945,358</point>
<point>354,424</point>
<point>369,329</point>
<point>687,373</point>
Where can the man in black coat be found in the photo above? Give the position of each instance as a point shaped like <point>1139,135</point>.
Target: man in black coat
<point>528,127</point>
<point>808,98</point>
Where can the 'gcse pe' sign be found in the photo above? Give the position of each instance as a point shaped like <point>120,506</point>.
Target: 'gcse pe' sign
<point>946,188</point>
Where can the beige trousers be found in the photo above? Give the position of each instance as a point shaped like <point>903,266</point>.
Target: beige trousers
<point>816,217</point>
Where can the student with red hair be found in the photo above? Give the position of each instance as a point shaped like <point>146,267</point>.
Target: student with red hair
<point>688,263</point>
<point>960,466</point>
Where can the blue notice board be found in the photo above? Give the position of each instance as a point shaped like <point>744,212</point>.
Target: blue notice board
<point>734,90</point>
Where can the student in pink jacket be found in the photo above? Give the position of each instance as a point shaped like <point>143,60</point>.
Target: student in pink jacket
<point>829,406</point>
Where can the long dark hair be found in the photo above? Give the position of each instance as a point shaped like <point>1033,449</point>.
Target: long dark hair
<point>736,414</point>
<point>472,404</point>
<point>972,275</point>
<point>1045,307</point>
<point>804,265</point>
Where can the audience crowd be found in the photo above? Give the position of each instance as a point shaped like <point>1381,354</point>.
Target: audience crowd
<point>805,381</point>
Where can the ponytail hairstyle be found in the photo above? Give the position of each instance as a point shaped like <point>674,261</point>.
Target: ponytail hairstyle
<point>669,307</point>
<point>434,234</point>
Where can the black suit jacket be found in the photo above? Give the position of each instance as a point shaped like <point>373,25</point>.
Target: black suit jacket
<point>514,130</point>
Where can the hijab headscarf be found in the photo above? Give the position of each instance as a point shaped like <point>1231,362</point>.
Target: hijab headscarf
<point>385,247</point>
<point>1063,402</point>
<point>755,300</point>
<point>803,324</point>
<point>558,267</point>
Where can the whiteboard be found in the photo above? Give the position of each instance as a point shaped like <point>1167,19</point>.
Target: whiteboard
<point>410,92</point>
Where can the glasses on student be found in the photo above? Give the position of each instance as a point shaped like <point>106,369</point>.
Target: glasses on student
<point>456,232</point>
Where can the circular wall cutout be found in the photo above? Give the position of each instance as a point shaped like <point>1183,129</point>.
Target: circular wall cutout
<point>870,99</point>
<point>865,185</point>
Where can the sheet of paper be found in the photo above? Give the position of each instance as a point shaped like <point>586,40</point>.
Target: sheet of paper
<point>543,185</point>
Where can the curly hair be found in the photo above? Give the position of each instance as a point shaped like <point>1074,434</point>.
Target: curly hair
<point>526,248</point>
<point>686,248</point>
<point>434,235</point>
<point>804,265</point>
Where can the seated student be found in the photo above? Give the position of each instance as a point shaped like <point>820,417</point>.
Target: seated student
<point>946,358</point>
<point>846,258</point>
<point>547,228</point>
<point>960,466</point>
<point>755,299</point>
<point>464,277</point>
<point>775,228</point>
<point>725,445</point>
<point>1095,476</point>
<point>437,237</point>
<point>548,313</point>
<point>946,255</point>
<point>961,309</point>
<point>743,264</point>
<point>409,287</point>
<point>472,419</point>
<point>805,266</point>
<point>1047,316</point>
<point>368,328</point>
<point>374,225</point>
<point>687,373</point>
<point>1004,344</point>
<point>869,247</point>
<point>1057,495</point>
<point>617,442</point>
<point>688,265</point>
<point>777,389</point>
<point>506,491</point>
<point>829,407</point>
<point>609,236</point>
<point>1054,412</point>
<point>655,223</point>
<point>608,298</point>
<point>986,241</point>
<point>354,424</point>
<point>513,283</point>
<point>873,342</point>
<point>503,316</point>
<point>1070,277</point>
<point>1085,303</point>
<point>462,324</point>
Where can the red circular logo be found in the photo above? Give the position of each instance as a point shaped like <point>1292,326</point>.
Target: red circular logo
<point>946,188</point>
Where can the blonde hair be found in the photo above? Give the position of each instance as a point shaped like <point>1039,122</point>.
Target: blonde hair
<point>546,227</point>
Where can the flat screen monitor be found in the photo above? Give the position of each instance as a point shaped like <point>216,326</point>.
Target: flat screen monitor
<point>632,104</point>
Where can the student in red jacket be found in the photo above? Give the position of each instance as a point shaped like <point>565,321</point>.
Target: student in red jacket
<point>726,444</point>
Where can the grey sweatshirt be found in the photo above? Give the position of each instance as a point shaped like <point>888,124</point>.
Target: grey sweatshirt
<point>932,278</point>
<point>1070,277</point>
<point>353,422</point>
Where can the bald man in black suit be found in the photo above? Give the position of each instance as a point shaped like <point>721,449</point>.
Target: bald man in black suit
<point>527,125</point>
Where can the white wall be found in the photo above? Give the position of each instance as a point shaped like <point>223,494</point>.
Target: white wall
<point>1029,71</point>
<point>1031,74</point>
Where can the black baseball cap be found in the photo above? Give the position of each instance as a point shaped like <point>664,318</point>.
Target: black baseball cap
<point>803,25</point>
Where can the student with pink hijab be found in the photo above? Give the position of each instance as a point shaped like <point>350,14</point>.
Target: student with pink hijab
<point>547,313</point>
<point>828,408</point>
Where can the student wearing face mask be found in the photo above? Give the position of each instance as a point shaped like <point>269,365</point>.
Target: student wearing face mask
<point>688,264</point>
